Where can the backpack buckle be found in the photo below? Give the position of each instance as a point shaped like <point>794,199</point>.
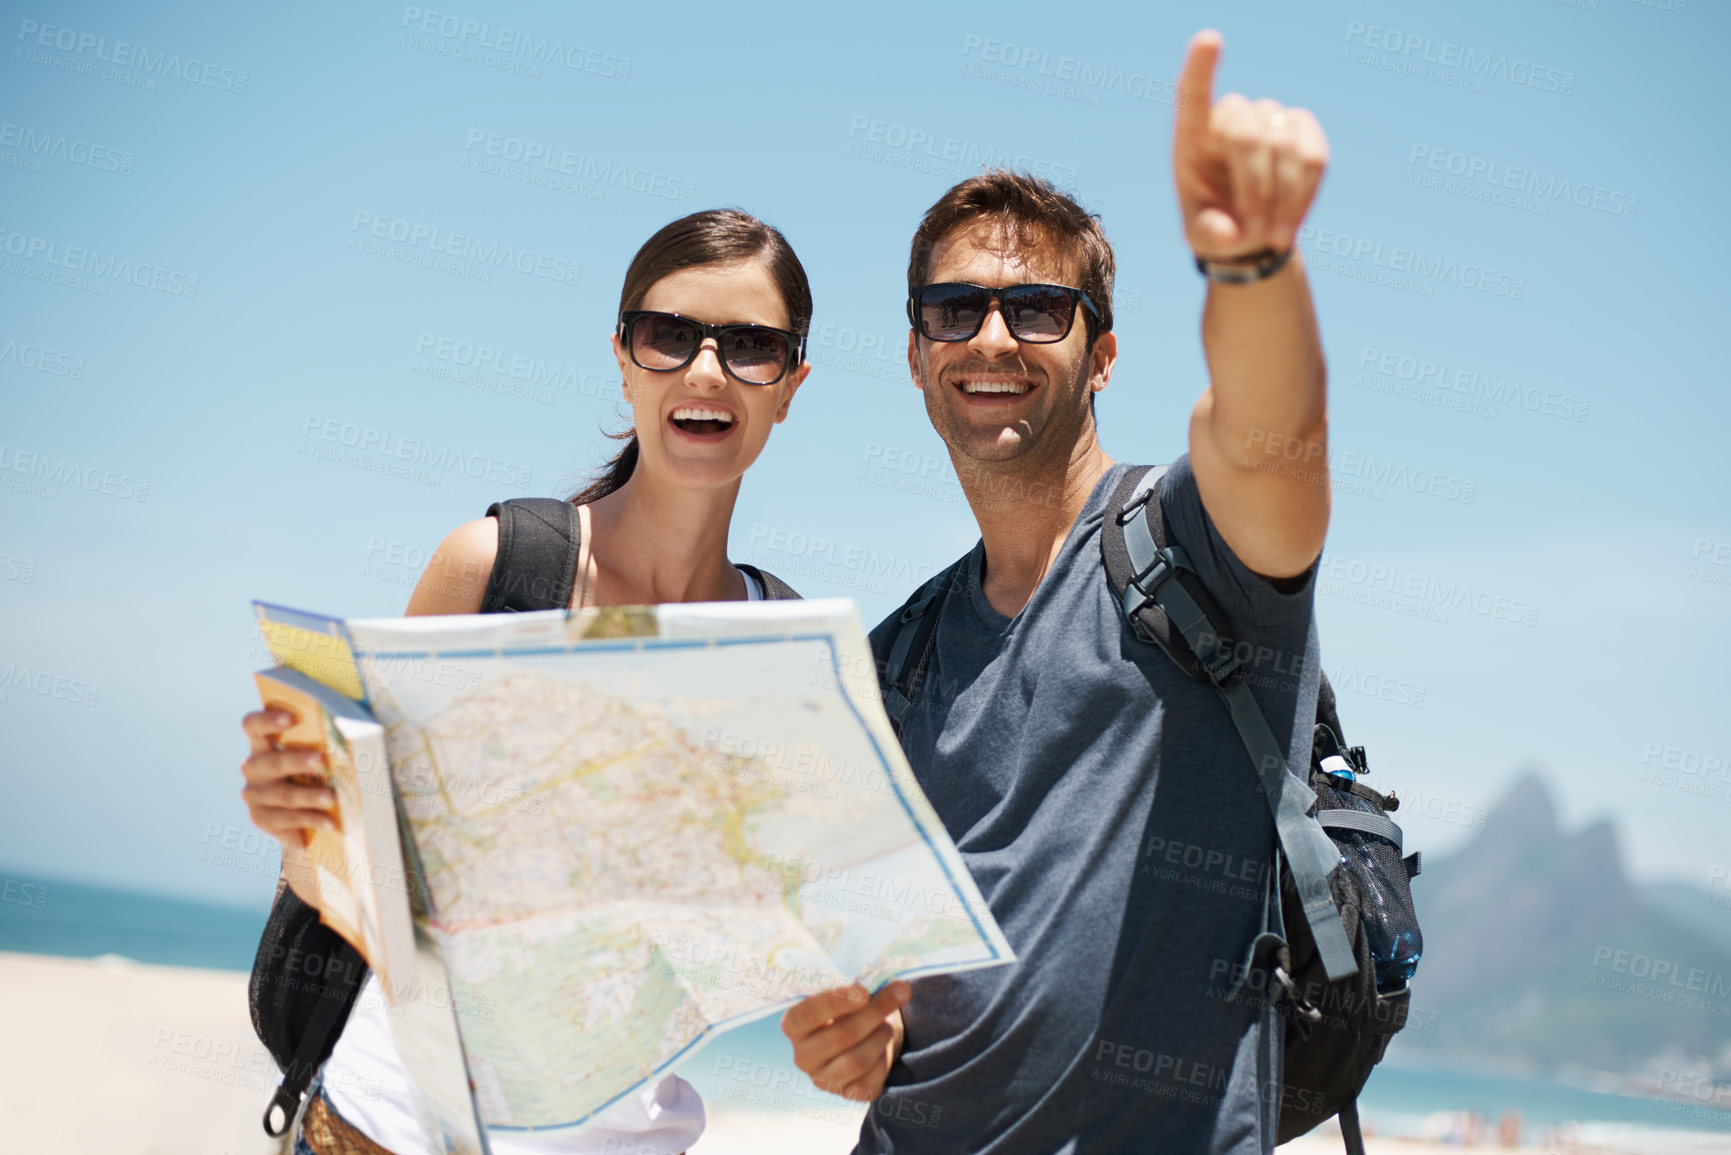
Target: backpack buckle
<point>1158,572</point>
<point>1220,665</point>
<point>1304,1015</point>
<point>1135,505</point>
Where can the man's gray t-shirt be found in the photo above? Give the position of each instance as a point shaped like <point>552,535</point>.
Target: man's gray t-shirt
<point>1109,813</point>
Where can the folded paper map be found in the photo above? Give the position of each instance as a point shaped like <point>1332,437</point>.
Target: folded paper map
<point>356,867</point>
<point>640,827</point>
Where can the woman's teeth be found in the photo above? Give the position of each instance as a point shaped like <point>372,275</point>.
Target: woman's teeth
<point>702,413</point>
<point>702,419</point>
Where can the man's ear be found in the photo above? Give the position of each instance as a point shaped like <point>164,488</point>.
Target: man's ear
<point>794,381</point>
<point>1101,359</point>
<point>914,359</point>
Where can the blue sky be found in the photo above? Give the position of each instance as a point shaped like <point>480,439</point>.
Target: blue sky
<point>1516,255</point>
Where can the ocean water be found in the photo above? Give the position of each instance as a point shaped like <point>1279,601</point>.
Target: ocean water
<point>44,916</point>
<point>1397,1098</point>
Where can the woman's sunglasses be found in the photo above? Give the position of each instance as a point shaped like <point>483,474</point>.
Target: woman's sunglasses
<point>1037,314</point>
<point>754,354</point>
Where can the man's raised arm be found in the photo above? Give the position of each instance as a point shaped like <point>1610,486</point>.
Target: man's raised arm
<point>1246,173</point>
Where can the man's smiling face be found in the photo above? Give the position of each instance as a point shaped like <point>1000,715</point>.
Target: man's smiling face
<point>993,398</point>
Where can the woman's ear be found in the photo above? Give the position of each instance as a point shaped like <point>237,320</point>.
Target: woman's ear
<point>624,370</point>
<point>794,380</point>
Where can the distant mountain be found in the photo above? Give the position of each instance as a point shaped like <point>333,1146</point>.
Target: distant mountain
<point>1707,911</point>
<point>1539,953</point>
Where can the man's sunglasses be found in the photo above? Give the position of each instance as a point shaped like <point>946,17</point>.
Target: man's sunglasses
<point>754,354</point>
<point>1037,314</point>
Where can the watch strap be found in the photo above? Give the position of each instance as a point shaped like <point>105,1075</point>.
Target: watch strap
<point>1244,270</point>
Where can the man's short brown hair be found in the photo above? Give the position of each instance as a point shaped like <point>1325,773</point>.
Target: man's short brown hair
<point>1032,211</point>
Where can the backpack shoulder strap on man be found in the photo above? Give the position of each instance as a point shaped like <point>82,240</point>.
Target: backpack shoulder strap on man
<point>904,667</point>
<point>774,589</point>
<point>1159,593</point>
<point>300,1021</point>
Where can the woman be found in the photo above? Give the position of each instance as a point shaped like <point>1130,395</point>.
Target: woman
<point>710,342</point>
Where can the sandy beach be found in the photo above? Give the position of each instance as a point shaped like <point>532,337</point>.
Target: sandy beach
<point>106,1055</point>
<point>112,1057</point>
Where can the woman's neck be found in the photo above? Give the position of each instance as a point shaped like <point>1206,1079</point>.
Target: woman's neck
<point>650,542</point>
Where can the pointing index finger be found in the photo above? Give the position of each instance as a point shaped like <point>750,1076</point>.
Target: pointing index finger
<point>1196,85</point>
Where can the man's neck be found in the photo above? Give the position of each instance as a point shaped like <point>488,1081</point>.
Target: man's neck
<point>1025,512</point>
<point>656,543</point>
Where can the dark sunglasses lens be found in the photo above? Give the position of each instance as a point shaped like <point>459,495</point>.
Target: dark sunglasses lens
<point>951,312</point>
<point>1038,313</point>
<point>755,355</point>
<point>663,342</point>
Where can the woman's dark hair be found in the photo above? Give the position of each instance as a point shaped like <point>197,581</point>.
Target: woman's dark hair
<point>712,237</point>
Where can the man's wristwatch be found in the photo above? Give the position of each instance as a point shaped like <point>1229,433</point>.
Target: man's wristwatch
<point>1244,270</point>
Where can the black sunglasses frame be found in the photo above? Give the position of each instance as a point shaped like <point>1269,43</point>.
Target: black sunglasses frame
<point>997,294</point>
<point>795,343</point>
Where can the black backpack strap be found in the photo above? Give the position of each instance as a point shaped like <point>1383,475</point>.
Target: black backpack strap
<point>298,1020</point>
<point>774,589</point>
<point>536,567</point>
<point>1159,577</point>
<point>316,1045</point>
<point>910,650</point>
<point>1349,1129</point>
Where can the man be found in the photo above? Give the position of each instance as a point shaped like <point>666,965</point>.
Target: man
<point>1102,800</point>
